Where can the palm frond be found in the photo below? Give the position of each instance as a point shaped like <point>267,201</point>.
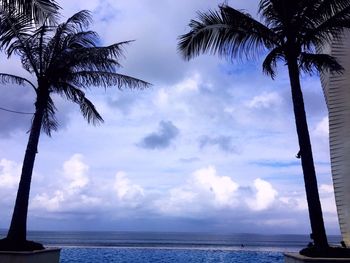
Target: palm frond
<point>13,26</point>
<point>49,120</point>
<point>274,13</point>
<point>45,10</point>
<point>77,96</point>
<point>112,51</point>
<point>270,62</point>
<point>329,28</point>
<point>13,79</point>
<point>77,22</point>
<point>85,79</point>
<point>74,57</point>
<point>89,111</point>
<point>83,39</point>
<point>16,35</point>
<point>311,63</point>
<point>104,59</point>
<point>229,33</point>
<point>324,9</point>
<point>37,10</point>
<point>67,59</point>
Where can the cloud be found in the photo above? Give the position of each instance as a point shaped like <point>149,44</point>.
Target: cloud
<point>189,84</point>
<point>75,170</point>
<point>9,174</point>
<point>322,128</point>
<point>295,201</point>
<point>205,190</point>
<point>264,197</point>
<point>326,189</point>
<point>265,100</point>
<point>49,202</point>
<point>328,198</point>
<point>9,177</point>
<point>162,138</point>
<point>161,99</point>
<point>70,192</point>
<point>224,143</point>
<point>189,160</point>
<point>76,193</point>
<point>128,194</point>
<point>222,187</point>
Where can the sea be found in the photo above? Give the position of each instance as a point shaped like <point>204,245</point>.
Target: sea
<point>170,247</point>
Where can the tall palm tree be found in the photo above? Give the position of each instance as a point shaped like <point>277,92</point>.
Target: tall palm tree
<point>65,60</point>
<point>289,31</point>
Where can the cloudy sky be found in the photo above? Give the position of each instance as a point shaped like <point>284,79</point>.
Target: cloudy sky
<point>209,147</point>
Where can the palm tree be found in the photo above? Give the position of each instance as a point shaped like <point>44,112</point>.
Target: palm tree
<point>66,60</point>
<point>289,31</point>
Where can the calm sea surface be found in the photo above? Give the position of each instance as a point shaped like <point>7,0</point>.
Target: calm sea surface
<point>147,247</point>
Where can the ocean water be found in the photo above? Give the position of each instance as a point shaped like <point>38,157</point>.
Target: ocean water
<point>149,247</point>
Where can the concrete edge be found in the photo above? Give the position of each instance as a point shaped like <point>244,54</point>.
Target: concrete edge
<point>308,259</point>
<point>46,250</point>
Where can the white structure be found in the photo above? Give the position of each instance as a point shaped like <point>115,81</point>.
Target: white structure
<point>337,93</point>
<point>48,255</point>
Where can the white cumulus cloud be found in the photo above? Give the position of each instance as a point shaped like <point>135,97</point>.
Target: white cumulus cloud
<point>9,173</point>
<point>162,98</point>
<point>265,100</point>
<point>129,194</point>
<point>75,170</point>
<point>50,203</point>
<point>189,84</point>
<point>264,197</point>
<point>69,190</point>
<point>222,188</point>
<point>204,190</point>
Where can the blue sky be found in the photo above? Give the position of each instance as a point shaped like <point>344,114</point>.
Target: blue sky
<point>209,147</point>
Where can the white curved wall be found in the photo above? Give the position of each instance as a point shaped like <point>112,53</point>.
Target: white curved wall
<point>337,93</point>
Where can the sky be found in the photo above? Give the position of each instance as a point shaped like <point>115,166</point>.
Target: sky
<point>209,147</point>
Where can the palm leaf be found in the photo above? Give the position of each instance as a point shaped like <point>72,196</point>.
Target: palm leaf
<point>78,21</point>
<point>89,111</point>
<point>13,79</point>
<point>270,62</point>
<point>13,25</point>
<point>37,10</point>
<point>49,120</point>
<point>230,33</point>
<point>329,28</point>
<point>77,96</point>
<point>86,79</point>
<point>310,63</point>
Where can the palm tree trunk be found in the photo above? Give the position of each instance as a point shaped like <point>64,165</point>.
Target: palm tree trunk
<point>307,162</point>
<point>18,228</point>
